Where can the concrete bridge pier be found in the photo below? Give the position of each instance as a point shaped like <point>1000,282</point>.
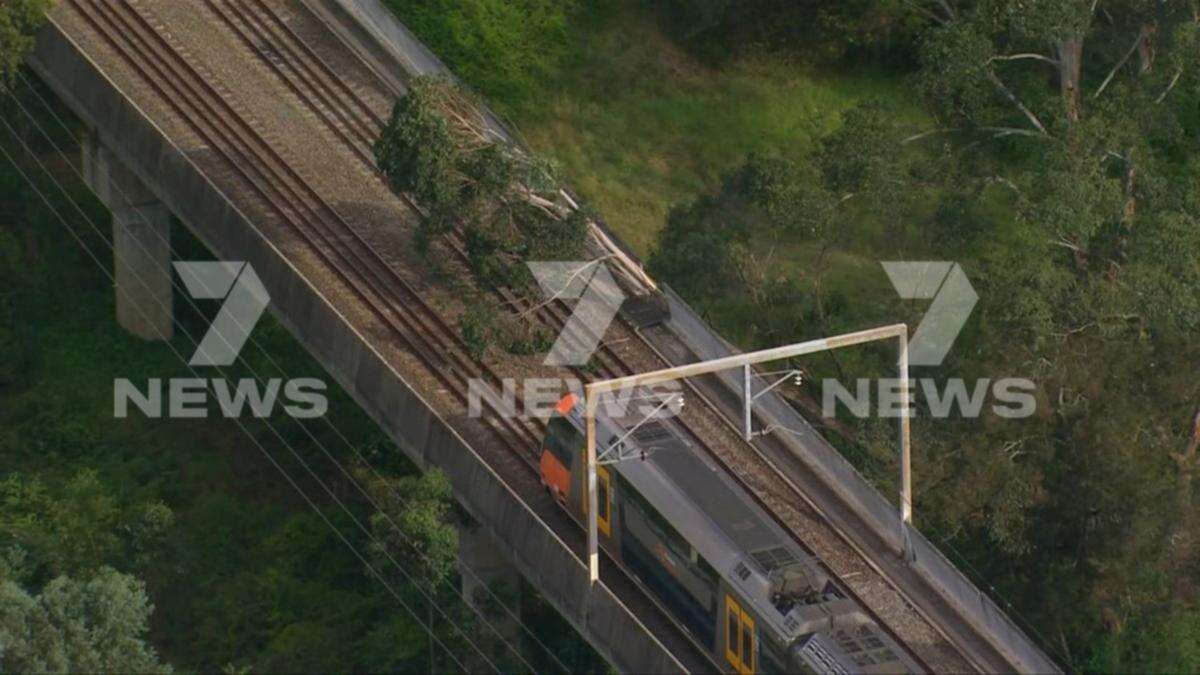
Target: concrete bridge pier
<point>141,244</point>
<point>482,568</point>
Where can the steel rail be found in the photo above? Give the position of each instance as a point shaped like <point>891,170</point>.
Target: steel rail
<point>551,314</point>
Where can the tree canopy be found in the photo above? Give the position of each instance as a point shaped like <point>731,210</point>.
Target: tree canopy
<point>1056,164</point>
<point>97,625</point>
<point>18,21</point>
<point>507,204</point>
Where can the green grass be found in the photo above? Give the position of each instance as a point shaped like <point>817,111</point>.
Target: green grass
<point>638,124</point>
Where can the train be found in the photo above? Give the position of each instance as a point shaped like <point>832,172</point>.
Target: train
<point>708,555</point>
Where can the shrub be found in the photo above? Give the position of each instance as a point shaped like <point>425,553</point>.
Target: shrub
<point>500,47</point>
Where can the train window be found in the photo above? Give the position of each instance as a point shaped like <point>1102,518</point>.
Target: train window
<point>733,647</point>
<point>562,439</point>
<point>603,501</point>
<point>747,644</point>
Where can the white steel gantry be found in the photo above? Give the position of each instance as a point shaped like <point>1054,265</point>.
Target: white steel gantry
<point>594,390</point>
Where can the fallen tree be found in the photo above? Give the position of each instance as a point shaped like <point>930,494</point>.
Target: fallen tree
<point>503,205</point>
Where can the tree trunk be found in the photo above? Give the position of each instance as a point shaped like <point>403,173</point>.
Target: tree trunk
<point>1070,69</point>
<point>1183,530</point>
<point>1147,47</point>
<point>1187,459</point>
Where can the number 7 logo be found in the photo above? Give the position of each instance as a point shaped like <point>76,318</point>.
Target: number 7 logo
<point>953,299</point>
<point>599,299</point>
<point>245,300</point>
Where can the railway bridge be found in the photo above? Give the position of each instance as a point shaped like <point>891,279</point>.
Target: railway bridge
<point>251,121</point>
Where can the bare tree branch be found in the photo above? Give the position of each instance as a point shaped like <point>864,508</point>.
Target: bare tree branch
<point>1003,181</point>
<point>1025,55</point>
<point>563,289</point>
<point>1020,106</point>
<point>1187,458</point>
<point>925,134</point>
<point>917,6</point>
<point>1170,86</point>
<point>1001,132</point>
<point>1112,73</point>
<point>1068,245</point>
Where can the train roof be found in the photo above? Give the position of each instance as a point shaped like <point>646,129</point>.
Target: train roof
<point>714,514</point>
<point>708,509</point>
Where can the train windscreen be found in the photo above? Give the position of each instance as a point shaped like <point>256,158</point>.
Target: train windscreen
<point>563,440</point>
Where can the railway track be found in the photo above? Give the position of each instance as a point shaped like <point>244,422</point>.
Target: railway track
<point>379,286</point>
<point>351,119</point>
<point>208,113</point>
<point>391,298</point>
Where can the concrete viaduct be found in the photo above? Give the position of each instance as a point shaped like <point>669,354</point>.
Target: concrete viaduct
<point>147,165</point>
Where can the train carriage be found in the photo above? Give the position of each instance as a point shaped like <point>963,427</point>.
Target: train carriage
<point>723,570</point>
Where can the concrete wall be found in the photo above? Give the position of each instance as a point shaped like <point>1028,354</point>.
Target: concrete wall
<point>141,244</point>
<point>529,542</point>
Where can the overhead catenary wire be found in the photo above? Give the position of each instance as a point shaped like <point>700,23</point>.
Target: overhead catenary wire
<point>45,199</point>
<point>408,576</point>
<point>467,571</point>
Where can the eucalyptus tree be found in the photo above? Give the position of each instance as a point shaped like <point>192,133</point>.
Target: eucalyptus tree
<point>95,625</point>
<point>19,19</point>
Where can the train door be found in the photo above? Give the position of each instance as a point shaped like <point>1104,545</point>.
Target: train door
<point>740,647</point>
<point>604,498</point>
<point>604,501</point>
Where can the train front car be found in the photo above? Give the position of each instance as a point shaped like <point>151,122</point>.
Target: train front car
<point>561,448</point>
<point>711,558</point>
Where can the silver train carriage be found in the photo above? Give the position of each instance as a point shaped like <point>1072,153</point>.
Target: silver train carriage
<point>709,555</point>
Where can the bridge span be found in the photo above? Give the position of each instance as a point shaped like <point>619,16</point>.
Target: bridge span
<point>251,122</point>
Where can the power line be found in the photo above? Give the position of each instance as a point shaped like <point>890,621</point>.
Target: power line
<point>91,254</point>
<point>466,569</point>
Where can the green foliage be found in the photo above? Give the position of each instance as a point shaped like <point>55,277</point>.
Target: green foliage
<point>418,155</point>
<point>503,47</point>
<point>1165,276</point>
<point>97,625</point>
<point>439,149</point>
<point>954,72</point>
<point>19,19</point>
<point>235,562</point>
<point>484,325</point>
<point>1168,645</point>
<point>694,250</point>
<point>476,327</point>
<point>77,526</point>
<point>1074,212</point>
<point>725,242</point>
<point>824,30</point>
<point>415,524</point>
<point>244,574</point>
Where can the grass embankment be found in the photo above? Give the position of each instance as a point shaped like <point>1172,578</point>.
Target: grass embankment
<point>638,124</point>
